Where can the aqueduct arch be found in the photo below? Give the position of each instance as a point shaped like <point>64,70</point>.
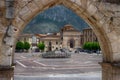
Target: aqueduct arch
<point>102,16</point>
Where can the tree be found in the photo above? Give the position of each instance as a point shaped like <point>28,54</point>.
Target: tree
<point>19,46</point>
<point>41,46</point>
<point>26,46</point>
<point>91,46</point>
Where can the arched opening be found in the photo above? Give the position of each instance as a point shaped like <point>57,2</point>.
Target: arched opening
<point>92,20</point>
<point>71,44</point>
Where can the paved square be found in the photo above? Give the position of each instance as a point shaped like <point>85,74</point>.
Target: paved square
<point>27,64</point>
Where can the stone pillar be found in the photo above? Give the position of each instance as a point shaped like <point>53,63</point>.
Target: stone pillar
<point>6,73</point>
<point>110,71</point>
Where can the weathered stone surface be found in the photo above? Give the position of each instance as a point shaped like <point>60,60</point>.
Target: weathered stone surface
<point>103,17</point>
<point>25,13</point>
<point>18,22</point>
<point>9,35</point>
<point>38,2</point>
<point>114,38</point>
<point>46,2</point>
<point>10,12</point>
<point>110,71</point>
<point>83,3</point>
<point>2,3</point>
<point>32,6</point>
<point>91,9</point>
<point>6,73</point>
<point>78,2</point>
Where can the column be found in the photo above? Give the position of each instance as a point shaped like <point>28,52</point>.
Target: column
<point>110,71</point>
<point>6,73</point>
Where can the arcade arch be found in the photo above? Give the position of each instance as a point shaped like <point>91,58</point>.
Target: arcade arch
<point>102,17</point>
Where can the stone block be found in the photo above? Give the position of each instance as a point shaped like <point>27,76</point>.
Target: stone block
<point>21,3</point>
<point>38,3</point>
<point>115,47</point>
<point>117,14</point>
<point>75,7</point>
<point>18,22</point>
<point>84,4</point>
<point>9,3</point>
<point>116,21</point>
<point>112,36</point>
<point>115,8</point>
<point>106,25</point>
<point>73,1</point>
<point>67,4</point>
<point>92,9</point>
<point>110,71</point>
<point>10,12</point>
<point>1,36</point>
<point>25,13</point>
<point>2,3</point>
<point>103,21</point>
<point>6,73</point>
<point>116,56</point>
<point>98,15</point>
<point>46,2</point>
<point>2,29</point>
<point>33,7</point>
<point>78,2</point>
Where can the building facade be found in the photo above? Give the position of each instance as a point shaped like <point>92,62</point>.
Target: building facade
<point>88,36</point>
<point>52,41</point>
<point>68,38</point>
<point>26,38</point>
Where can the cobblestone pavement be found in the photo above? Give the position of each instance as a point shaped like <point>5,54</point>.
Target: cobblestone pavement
<point>33,65</point>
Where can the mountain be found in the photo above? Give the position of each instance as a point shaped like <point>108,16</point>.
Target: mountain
<point>53,19</point>
<point>43,28</point>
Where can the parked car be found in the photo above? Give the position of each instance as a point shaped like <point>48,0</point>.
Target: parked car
<point>87,51</point>
<point>64,50</point>
<point>37,50</point>
<point>77,50</point>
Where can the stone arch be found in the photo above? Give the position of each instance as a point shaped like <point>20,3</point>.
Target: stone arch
<point>97,14</point>
<point>85,9</point>
<point>103,17</point>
